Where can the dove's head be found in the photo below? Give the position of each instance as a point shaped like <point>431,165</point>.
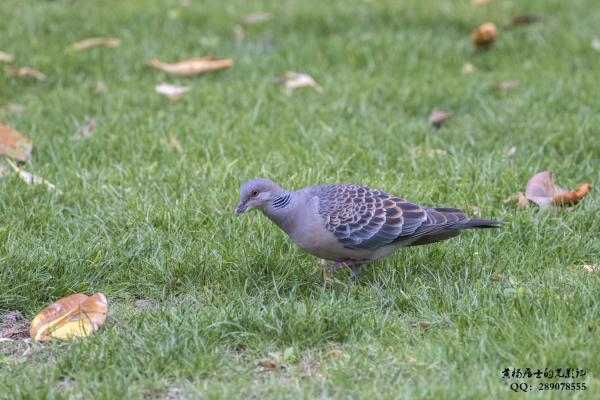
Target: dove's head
<point>257,193</point>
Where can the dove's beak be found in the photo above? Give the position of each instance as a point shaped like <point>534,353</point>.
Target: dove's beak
<point>240,208</point>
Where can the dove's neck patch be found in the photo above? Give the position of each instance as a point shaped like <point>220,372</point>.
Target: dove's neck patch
<point>282,201</point>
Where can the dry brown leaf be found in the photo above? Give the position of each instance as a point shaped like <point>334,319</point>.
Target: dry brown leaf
<point>294,80</point>
<point>257,18</point>
<point>506,85</point>
<point>29,178</point>
<point>24,72</point>
<point>101,88</point>
<point>438,118</point>
<point>173,92</point>
<point>523,20</point>
<point>14,145</point>
<point>72,316</point>
<point>496,277</point>
<point>421,326</point>
<point>542,191</point>
<point>86,130</point>
<point>476,211</point>
<point>175,143</point>
<point>511,151</point>
<point>334,353</point>
<point>93,42</point>
<point>484,35</point>
<point>5,57</point>
<point>590,268</point>
<point>468,68</point>
<point>267,364</point>
<point>238,32</point>
<point>410,360</point>
<point>193,66</point>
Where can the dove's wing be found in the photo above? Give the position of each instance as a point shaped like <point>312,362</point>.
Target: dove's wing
<point>364,218</point>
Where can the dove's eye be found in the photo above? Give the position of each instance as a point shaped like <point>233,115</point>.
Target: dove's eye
<point>254,193</point>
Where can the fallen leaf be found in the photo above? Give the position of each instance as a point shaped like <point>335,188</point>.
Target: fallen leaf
<point>484,35</point>
<point>438,118</point>
<point>410,360</point>
<point>334,353</point>
<point>73,316</point>
<point>24,72</point>
<point>590,268</point>
<point>86,130</point>
<point>193,66</point>
<point>93,42</point>
<point>5,57</point>
<point>101,88</point>
<point>468,68</point>
<point>511,151</point>
<point>267,364</point>
<point>542,191</point>
<point>523,20</point>
<point>476,211</point>
<point>294,80</point>
<point>257,18</point>
<point>173,92</point>
<point>175,143</point>
<point>506,85</point>
<point>14,145</point>
<point>29,178</point>
<point>421,326</point>
<point>238,32</point>
<point>496,277</point>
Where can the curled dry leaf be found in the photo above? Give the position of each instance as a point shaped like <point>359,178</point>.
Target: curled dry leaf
<point>421,326</point>
<point>29,178</point>
<point>257,18</point>
<point>506,85</point>
<point>25,72</point>
<point>484,35</point>
<point>93,42</point>
<point>590,269</point>
<point>5,57</point>
<point>193,66</point>
<point>438,118</point>
<point>173,92</point>
<point>542,191</point>
<point>523,20</point>
<point>267,364</point>
<point>294,80</point>
<point>72,316</point>
<point>14,145</point>
<point>86,130</point>
<point>468,68</point>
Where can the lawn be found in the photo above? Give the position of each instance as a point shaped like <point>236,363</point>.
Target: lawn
<point>198,297</point>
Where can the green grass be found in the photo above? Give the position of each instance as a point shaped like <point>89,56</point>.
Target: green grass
<point>138,220</point>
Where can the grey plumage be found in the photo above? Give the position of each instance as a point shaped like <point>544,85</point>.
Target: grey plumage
<point>351,225</point>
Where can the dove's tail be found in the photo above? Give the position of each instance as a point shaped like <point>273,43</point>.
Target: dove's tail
<point>478,224</point>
